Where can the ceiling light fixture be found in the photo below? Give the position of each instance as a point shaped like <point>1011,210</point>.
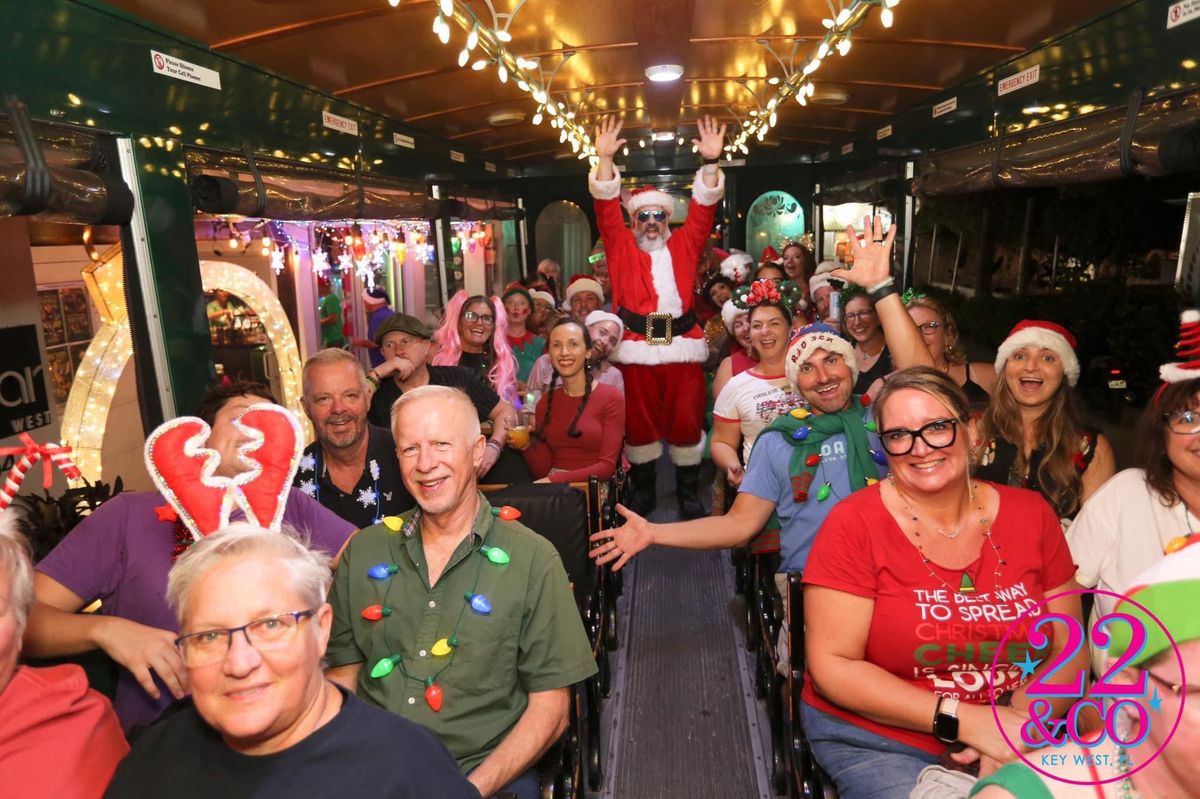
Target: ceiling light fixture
<point>663,135</point>
<point>664,73</point>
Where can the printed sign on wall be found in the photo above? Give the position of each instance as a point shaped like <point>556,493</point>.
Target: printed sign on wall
<point>24,405</point>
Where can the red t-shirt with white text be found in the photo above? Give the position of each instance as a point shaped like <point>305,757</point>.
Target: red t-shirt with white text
<point>923,633</point>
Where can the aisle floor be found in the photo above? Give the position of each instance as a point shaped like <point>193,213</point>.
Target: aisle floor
<point>681,720</point>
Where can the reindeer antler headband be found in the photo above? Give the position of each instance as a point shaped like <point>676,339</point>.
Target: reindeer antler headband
<point>184,469</point>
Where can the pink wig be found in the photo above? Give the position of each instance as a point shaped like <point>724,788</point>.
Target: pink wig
<point>503,374</point>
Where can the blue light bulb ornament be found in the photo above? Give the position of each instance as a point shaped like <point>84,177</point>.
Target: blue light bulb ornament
<point>479,603</point>
<point>879,457</point>
<point>801,433</point>
<point>382,571</point>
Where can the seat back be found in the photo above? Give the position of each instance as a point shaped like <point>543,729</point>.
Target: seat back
<point>559,513</point>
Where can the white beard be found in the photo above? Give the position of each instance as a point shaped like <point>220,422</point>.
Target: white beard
<point>650,245</point>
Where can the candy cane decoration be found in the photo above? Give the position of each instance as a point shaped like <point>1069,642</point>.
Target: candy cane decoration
<point>31,452</point>
<point>12,483</point>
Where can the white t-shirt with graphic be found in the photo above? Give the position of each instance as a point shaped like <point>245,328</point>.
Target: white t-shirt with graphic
<point>752,401</point>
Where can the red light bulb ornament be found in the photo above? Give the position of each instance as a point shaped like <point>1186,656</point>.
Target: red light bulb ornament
<point>812,460</point>
<point>507,512</point>
<point>433,695</point>
<point>375,612</point>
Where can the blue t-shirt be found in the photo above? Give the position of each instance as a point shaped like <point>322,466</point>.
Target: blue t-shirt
<point>769,478</point>
<point>374,320</point>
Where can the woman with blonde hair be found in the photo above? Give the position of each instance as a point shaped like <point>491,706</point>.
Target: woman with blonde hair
<point>1033,433</point>
<point>940,332</point>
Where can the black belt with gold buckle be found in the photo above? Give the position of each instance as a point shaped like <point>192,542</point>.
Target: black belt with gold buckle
<point>659,328</point>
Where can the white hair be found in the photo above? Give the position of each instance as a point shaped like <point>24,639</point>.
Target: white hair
<point>442,394</point>
<point>16,562</point>
<point>308,570</point>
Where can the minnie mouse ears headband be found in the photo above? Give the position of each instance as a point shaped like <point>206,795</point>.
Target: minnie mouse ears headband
<point>184,469</point>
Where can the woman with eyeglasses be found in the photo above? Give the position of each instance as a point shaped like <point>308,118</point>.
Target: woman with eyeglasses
<point>1141,514</point>
<point>1164,705</point>
<point>861,324</point>
<point>940,332</point>
<point>1033,433</point>
<point>473,333</point>
<point>911,586</point>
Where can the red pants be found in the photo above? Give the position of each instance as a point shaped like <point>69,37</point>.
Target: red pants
<point>663,402</point>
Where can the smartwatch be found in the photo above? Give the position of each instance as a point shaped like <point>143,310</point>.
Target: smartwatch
<point>945,720</point>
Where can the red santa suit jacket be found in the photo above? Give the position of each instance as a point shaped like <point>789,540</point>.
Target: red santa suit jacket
<point>662,281</point>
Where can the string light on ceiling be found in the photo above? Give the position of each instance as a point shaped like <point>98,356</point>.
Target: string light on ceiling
<point>798,82</point>
<point>527,74</point>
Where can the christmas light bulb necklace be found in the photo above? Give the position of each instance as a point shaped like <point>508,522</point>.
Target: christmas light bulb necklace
<point>447,646</point>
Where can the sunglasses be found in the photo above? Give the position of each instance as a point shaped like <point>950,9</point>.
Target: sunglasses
<point>659,216</point>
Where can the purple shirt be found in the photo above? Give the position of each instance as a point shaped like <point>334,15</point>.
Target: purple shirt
<point>122,553</point>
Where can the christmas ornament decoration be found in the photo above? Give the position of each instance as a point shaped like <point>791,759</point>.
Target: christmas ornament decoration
<point>801,413</point>
<point>879,457</point>
<point>823,492</point>
<point>479,603</point>
<point>385,666</point>
<point>784,292</point>
<point>433,695</point>
<point>375,612</point>
<point>382,571</point>
<point>1180,541</point>
<point>393,523</point>
<point>507,512</point>
<point>444,646</point>
<point>801,433</point>
<point>495,555</point>
<point>871,426</point>
<point>813,459</point>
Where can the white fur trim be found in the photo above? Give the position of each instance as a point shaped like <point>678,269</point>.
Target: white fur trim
<point>544,296</point>
<point>595,317</point>
<point>737,266</point>
<point>655,198</point>
<point>662,275</point>
<point>730,313</point>
<point>827,266</point>
<point>1044,339</point>
<point>689,455</point>
<point>680,350</point>
<point>803,348</point>
<point>819,281</point>
<point>605,189</point>
<point>583,284</point>
<point>1175,373</point>
<point>1189,316</point>
<point>644,453</point>
<point>705,194</point>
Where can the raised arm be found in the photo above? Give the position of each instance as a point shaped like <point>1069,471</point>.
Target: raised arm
<point>873,271</point>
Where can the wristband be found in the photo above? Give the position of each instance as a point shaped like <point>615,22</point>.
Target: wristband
<point>710,161</point>
<point>492,443</point>
<point>886,291</point>
<point>887,281</point>
<point>373,378</point>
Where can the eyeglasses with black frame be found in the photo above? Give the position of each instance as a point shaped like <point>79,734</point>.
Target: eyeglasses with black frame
<point>1176,689</point>
<point>929,328</point>
<point>1185,422</point>
<point>938,434</point>
<point>486,318</point>
<point>659,216</point>
<point>207,647</point>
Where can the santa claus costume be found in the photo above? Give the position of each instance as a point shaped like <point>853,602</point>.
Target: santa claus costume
<point>663,346</point>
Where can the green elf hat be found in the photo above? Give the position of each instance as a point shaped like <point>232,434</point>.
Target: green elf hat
<point>1170,589</point>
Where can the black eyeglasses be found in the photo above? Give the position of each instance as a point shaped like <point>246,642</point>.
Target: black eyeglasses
<point>1185,423</point>
<point>210,646</point>
<point>938,434</point>
<point>659,216</point>
<point>486,318</point>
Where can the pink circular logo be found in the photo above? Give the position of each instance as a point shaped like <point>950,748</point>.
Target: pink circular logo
<point>1046,730</point>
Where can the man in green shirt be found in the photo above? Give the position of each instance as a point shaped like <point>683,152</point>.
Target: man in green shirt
<point>453,617</point>
<point>329,309</point>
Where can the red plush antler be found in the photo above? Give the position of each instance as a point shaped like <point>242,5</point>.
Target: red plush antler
<point>183,469</point>
<point>275,451</point>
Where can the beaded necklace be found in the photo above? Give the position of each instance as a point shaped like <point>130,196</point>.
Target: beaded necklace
<point>443,647</point>
<point>1125,787</point>
<point>966,585</point>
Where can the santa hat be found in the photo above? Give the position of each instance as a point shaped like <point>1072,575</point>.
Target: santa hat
<point>1188,349</point>
<point>770,256</point>
<point>544,296</point>
<point>810,338</point>
<point>604,316</point>
<point>729,314</point>
<point>1170,590</point>
<point>375,296</point>
<point>1045,335</point>
<point>647,196</point>
<point>737,266</point>
<point>583,283</point>
<point>827,266</point>
<point>820,281</point>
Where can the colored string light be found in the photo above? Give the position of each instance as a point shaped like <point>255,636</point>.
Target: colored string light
<point>801,433</point>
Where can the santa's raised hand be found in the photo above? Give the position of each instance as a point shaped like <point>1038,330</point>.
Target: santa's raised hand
<point>607,142</point>
<point>712,138</point>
